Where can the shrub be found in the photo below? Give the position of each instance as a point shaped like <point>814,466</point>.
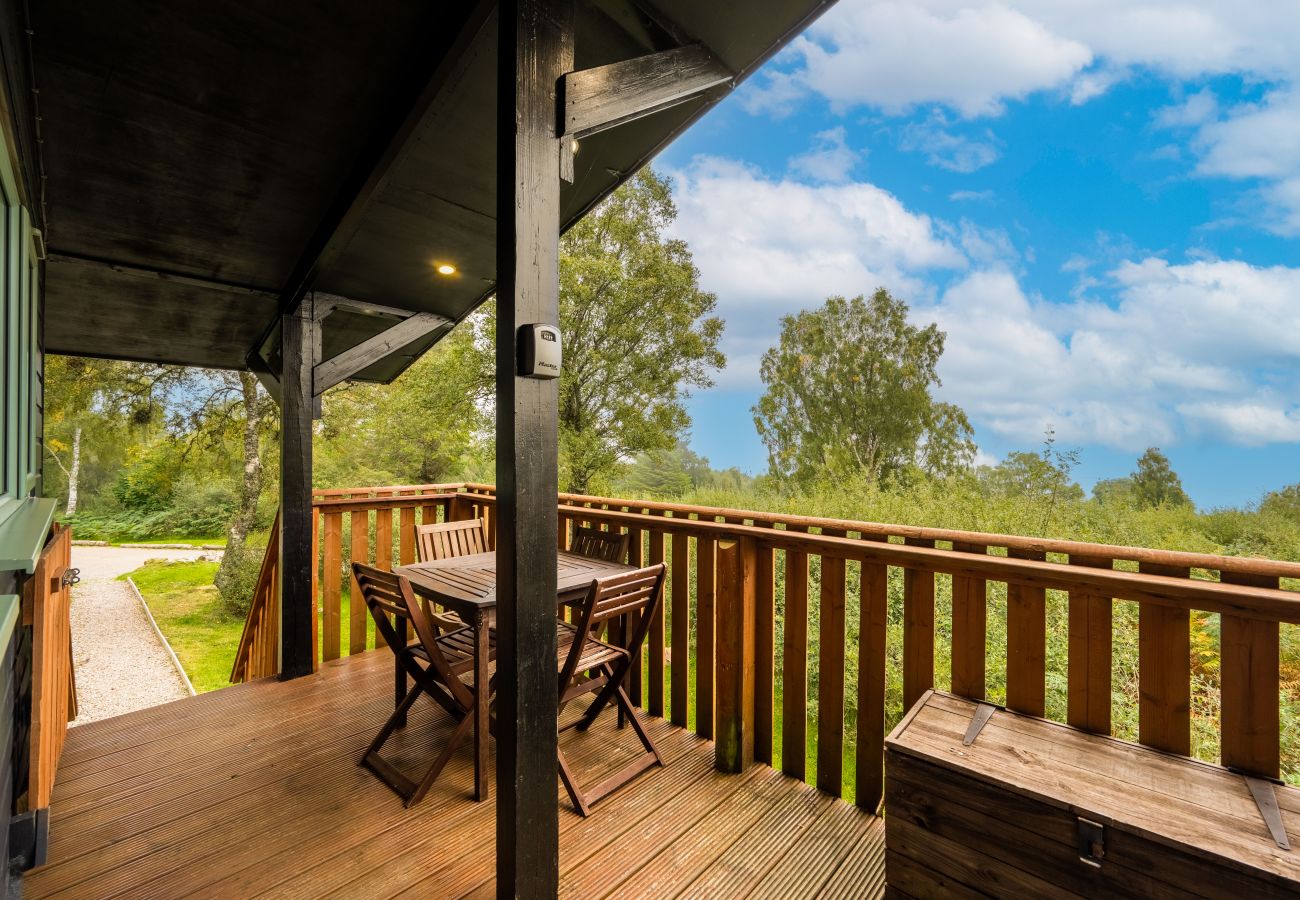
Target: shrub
<point>236,579</point>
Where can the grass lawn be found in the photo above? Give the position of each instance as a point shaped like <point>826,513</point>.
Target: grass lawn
<point>189,612</point>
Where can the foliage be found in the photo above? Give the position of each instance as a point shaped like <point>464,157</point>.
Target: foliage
<point>1155,483</point>
<point>1284,502</point>
<point>848,390</point>
<point>236,578</point>
<point>674,472</point>
<point>417,430</point>
<point>638,332</point>
<point>1041,479</point>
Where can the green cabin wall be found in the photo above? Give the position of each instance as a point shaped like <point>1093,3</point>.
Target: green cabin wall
<point>23,521</point>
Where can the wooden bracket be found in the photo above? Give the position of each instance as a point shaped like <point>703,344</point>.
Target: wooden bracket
<point>593,100</point>
<point>348,363</point>
<point>1266,800</point>
<point>983,712</point>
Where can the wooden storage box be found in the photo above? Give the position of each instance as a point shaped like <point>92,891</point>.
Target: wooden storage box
<point>1034,808</point>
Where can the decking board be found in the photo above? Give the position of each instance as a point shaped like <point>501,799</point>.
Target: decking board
<point>255,791</point>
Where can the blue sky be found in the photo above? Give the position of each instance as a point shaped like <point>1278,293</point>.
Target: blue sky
<point>1098,201</point>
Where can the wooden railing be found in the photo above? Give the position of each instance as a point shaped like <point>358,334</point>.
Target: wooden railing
<point>756,648</point>
<point>47,599</point>
<point>258,655</point>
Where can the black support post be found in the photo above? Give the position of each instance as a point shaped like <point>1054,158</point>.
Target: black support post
<point>535,50</point>
<point>297,339</point>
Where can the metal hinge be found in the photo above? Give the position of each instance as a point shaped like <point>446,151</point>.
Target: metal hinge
<point>70,577</point>
<point>1090,839</point>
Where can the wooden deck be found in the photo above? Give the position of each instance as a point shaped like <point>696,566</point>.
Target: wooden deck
<point>255,791</point>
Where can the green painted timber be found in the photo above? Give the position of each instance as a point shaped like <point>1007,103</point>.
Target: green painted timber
<point>23,534</point>
<point>9,605</point>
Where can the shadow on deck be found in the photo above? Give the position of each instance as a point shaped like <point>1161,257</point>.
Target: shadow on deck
<point>255,790</point>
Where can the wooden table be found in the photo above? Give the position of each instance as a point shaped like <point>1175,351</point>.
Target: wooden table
<point>467,585</point>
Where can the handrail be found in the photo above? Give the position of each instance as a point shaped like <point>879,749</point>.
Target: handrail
<point>773,595</point>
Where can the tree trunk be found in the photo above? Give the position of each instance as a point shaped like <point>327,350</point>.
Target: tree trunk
<point>74,473</point>
<point>251,488</point>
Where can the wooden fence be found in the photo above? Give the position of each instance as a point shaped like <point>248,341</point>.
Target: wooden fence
<point>46,602</point>
<point>722,661</point>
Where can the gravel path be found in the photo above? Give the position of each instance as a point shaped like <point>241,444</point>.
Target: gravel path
<point>120,663</point>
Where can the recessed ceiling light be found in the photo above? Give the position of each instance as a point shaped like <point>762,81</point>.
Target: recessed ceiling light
<point>446,269</point>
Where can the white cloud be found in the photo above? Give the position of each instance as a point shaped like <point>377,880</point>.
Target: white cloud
<point>895,55</point>
<point>1196,348</point>
<point>771,246</point>
<point>972,197</point>
<point>831,158</point>
<point>1204,347</point>
<point>947,149</point>
<point>975,55</point>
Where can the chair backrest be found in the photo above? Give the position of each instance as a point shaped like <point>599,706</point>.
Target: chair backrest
<point>450,539</point>
<point>636,595</point>
<point>388,594</point>
<point>607,545</point>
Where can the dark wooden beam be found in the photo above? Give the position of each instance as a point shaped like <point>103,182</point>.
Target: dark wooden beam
<point>535,48</point>
<point>372,350</point>
<point>268,379</point>
<point>298,335</point>
<point>422,85</point>
<point>606,96</point>
<point>59,257</point>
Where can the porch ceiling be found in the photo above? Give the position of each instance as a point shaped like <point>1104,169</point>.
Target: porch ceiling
<point>197,155</point>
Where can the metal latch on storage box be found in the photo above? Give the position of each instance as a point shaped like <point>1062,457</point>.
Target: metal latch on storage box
<point>983,712</point>
<point>1091,839</point>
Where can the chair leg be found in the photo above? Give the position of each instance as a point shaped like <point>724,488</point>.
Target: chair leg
<point>626,705</point>
<point>612,684</point>
<point>395,721</point>
<point>457,738</point>
<point>399,691</point>
<point>571,785</point>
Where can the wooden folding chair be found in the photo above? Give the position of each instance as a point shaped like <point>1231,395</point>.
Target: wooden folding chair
<point>450,539</point>
<point>437,663</point>
<point>607,545</point>
<point>447,540</point>
<point>589,665</point>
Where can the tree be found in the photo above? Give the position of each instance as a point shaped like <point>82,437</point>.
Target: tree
<point>416,430</point>
<point>638,333</point>
<point>1155,483</point>
<point>1114,491</point>
<point>1283,502</point>
<point>848,389</point>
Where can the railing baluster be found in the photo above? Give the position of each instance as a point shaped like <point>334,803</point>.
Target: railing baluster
<point>681,628</point>
<point>357,612</point>
<point>655,673</point>
<point>705,594</point>
<point>315,586</point>
<point>1164,670</point>
<point>1249,682</point>
<point>734,745</point>
<point>1026,642</point>
<point>969,629</point>
<point>635,557</point>
<point>332,594</point>
<point>1089,650</point>
<point>764,652</point>
<point>830,678</point>
<point>406,540</point>
<point>794,667</point>
<point>873,621</point>
<point>918,630</point>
